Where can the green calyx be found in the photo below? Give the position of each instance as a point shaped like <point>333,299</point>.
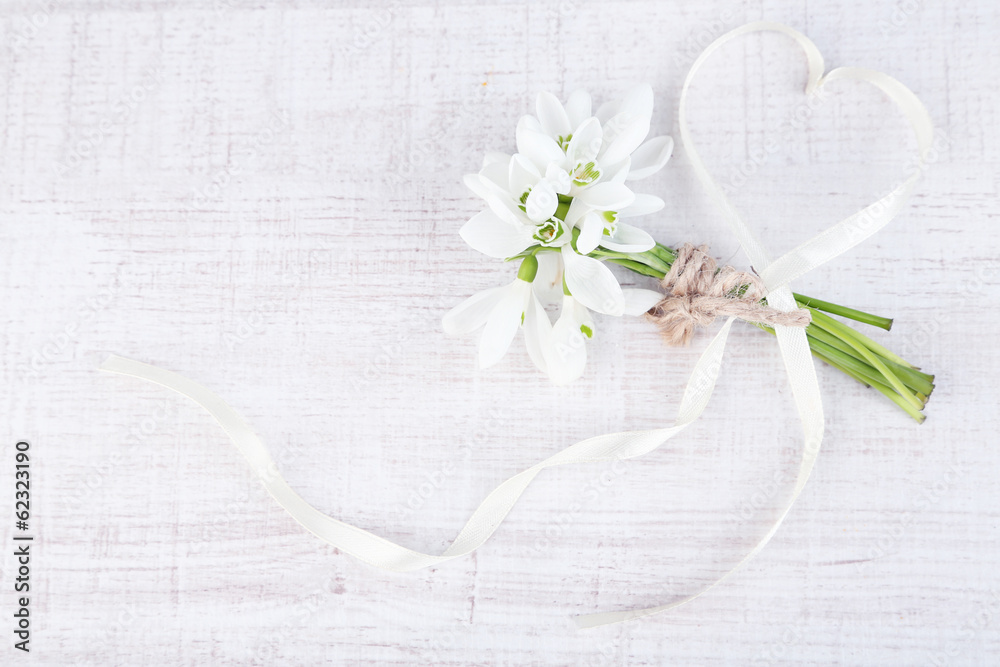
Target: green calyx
<point>529,269</point>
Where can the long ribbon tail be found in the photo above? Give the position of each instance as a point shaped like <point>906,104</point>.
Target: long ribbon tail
<point>388,555</point>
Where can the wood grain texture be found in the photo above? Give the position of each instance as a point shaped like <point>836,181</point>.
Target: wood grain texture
<point>265,197</point>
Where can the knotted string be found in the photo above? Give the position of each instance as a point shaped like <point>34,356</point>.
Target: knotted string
<point>697,292</point>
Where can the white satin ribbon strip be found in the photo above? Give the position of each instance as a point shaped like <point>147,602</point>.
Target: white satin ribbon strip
<point>618,446</point>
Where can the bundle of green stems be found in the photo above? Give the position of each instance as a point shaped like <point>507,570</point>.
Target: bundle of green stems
<point>830,339</point>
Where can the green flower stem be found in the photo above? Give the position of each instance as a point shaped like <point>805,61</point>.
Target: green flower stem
<point>915,380</point>
<point>865,371</point>
<point>820,354</point>
<point>865,340</point>
<point>886,390</point>
<point>848,365</point>
<point>849,336</point>
<point>649,261</point>
<point>834,342</point>
<point>849,313</point>
<point>845,361</point>
<point>638,267</point>
<point>842,329</point>
<point>664,253</point>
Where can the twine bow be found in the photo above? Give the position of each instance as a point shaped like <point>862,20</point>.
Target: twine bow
<point>697,292</point>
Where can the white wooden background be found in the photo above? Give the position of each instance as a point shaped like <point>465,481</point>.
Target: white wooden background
<point>266,198</point>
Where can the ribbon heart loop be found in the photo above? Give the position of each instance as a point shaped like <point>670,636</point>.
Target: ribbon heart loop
<point>847,233</point>
<point>858,227</point>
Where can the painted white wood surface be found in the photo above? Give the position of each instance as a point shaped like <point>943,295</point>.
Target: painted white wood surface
<point>266,198</point>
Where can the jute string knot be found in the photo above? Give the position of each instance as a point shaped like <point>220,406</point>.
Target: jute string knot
<point>697,292</point>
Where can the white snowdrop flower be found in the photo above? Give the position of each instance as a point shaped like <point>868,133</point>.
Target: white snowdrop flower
<point>570,171</point>
<point>567,351</point>
<point>563,199</point>
<point>500,312</point>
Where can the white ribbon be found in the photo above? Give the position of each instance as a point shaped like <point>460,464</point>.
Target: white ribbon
<point>793,343</point>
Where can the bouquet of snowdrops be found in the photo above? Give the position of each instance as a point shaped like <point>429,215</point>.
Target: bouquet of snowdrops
<point>562,207</point>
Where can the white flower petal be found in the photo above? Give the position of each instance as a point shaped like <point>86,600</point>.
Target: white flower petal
<point>495,237</point>
<point>548,281</point>
<point>540,148</point>
<point>650,157</point>
<point>549,274</point>
<point>608,110</point>
<point>577,209</point>
<point>578,107</point>
<point>495,174</point>
<point>522,176</point>
<point>590,233</point>
<point>592,283</point>
<point>485,184</point>
<point>564,237</point>
<point>471,313</point>
<point>628,239</point>
<point>622,137</point>
<point>617,173</point>
<point>494,156</point>
<point>552,115</point>
<point>567,351</point>
<point>503,322</point>
<point>475,183</point>
<point>541,204</point>
<point>638,301</point>
<point>643,205</point>
<point>606,196</point>
<point>580,314</point>
<point>530,123</point>
<point>638,102</point>
<point>559,178</point>
<point>537,333</point>
<point>586,142</point>
<point>506,209</point>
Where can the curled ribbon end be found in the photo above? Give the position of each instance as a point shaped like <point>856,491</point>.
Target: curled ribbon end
<point>114,364</point>
<point>588,621</point>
